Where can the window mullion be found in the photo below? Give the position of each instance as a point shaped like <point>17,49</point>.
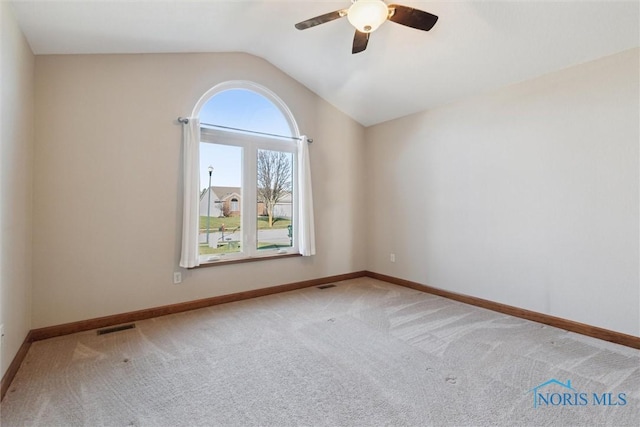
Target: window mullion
<point>249,197</point>
<point>295,210</point>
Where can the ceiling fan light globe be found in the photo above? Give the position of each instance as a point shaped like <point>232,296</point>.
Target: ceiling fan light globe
<point>367,15</point>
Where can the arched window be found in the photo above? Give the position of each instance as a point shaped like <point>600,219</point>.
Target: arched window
<point>243,107</point>
<point>249,173</point>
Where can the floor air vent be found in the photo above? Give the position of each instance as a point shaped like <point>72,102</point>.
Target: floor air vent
<point>326,286</point>
<point>116,329</point>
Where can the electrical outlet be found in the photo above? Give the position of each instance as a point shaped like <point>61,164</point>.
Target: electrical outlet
<point>392,257</point>
<point>177,277</point>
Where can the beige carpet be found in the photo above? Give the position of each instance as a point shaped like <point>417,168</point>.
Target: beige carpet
<point>364,353</point>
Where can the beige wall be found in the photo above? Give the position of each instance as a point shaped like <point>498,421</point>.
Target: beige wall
<point>16,166</point>
<point>108,186</point>
<point>527,196</point>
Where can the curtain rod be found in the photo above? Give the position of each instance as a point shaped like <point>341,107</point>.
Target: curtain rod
<point>185,120</point>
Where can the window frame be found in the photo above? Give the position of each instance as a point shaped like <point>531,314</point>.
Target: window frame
<point>204,260</point>
<point>250,145</point>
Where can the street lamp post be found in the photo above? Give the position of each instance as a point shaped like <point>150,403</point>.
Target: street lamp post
<point>210,169</point>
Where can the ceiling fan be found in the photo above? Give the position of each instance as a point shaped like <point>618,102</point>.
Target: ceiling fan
<point>367,15</point>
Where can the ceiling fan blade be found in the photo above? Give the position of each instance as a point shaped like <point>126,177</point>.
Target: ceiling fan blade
<point>411,17</point>
<point>360,41</point>
<point>322,19</point>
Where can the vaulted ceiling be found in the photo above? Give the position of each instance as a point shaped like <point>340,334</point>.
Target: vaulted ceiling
<point>475,47</point>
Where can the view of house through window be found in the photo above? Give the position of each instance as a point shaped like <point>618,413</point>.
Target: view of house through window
<point>248,198</point>
<point>220,214</point>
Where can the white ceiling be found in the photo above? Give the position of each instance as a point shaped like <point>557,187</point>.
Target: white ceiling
<point>476,46</point>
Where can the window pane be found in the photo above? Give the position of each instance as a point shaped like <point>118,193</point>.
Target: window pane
<point>245,109</point>
<point>275,199</point>
<point>220,199</point>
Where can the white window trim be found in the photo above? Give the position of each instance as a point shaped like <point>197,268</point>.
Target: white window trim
<point>254,87</point>
<point>251,143</point>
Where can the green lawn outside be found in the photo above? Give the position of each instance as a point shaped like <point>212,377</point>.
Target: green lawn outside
<point>206,250</point>
<point>232,222</point>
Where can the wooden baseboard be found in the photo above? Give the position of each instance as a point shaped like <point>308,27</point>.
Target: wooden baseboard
<point>8,376</point>
<point>102,322</point>
<point>116,319</point>
<point>558,322</point>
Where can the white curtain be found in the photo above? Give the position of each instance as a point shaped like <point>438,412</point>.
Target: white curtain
<point>306,233</point>
<point>190,214</point>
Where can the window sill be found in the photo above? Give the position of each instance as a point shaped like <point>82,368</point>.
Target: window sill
<point>243,260</point>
